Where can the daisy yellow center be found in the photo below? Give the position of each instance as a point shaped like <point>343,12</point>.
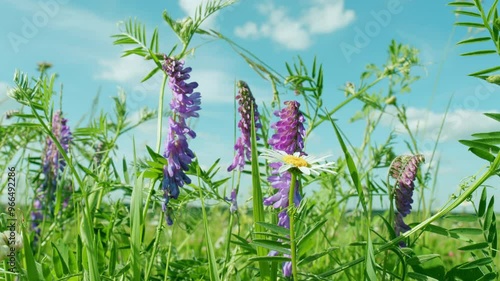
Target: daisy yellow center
<point>295,161</point>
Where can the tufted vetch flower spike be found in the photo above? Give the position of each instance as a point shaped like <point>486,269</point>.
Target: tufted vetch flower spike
<point>185,104</point>
<point>53,164</point>
<point>290,131</point>
<point>246,102</point>
<point>404,169</point>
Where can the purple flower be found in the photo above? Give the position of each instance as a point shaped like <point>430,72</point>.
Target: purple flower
<point>184,104</point>
<point>404,170</point>
<point>243,146</point>
<point>52,165</point>
<point>287,268</point>
<point>290,132</point>
<point>289,137</point>
<point>234,202</point>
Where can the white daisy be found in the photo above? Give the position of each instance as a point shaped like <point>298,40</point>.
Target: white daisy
<point>306,164</point>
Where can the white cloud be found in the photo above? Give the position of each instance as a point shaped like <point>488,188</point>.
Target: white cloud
<point>248,30</point>
<point>215,86</point>
<point>126,69</point>
<point>296,32</point>
<point>459,124</point>
<point>61,16</point>
<point>3,89</point>
<point>332,14</point>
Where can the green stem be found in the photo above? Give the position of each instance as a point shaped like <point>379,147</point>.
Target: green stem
<point>229,230</point>
<point>155,247</point>
<point>291,214</point>
<point>168,255</point>
<point>342,104</point>
<point>160,114</point>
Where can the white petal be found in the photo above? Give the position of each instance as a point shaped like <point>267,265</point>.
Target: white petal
<point>284,168</point>
<point>305,170</point>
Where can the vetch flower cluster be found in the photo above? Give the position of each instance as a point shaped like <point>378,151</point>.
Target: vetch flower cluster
<point>53,164</point>
<point>246,102</point>
<point>286,159</point>
<point>404,170</point>
<point>289,138</point>
<point>185,104</point>
<point>290,132</point>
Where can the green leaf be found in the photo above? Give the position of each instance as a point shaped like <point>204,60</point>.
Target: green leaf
<point>150,74</point>
<point>488,277</point>
<point>491,141</point>
<point>462,217</point>
<point>306,242</point>
<point>482,203</point>
<point>428,264</point>
<point>474,40</point>
<point>59,263</point>
<point>482,52</point>
<point>482,154</point>
<point>473,247</point>
<point>467,13</point>
<point>492,231</point>
<point>272,245</point>
<point>470,24</point>
<point>476,263</point>
<point>489,213</point>
<point>274,228</point>
<point>272,236</point>
<point>487,135</point>
<point>420,277</point>
<point>467,231</point>
<point>421,259</point>
<point>461,4</point>
<point>485,71</point>
<point>494,245</point>
<point>480,146</point>
<point>136,225</point>
<point>494,116</point>
<point>313,257</point>
<point>271,259</point>
<point>31,267</point>
<point>243,243</point>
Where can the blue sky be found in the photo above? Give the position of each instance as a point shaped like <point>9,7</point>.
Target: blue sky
<point>75,37</point>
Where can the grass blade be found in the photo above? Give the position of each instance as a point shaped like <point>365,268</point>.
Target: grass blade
<point>258,204</point>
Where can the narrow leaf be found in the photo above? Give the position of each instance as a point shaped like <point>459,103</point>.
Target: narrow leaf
<point>482,52</point>
<point>477,263</point>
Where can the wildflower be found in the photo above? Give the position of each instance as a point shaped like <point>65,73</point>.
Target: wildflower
<point>52,165</point>
<point>234,203</point>
<point>306,164</point>
<point>289,138</point>
<point>404,170</point>
<point>290,132</point>
<point>246,101</point>
<point>288,145</point>
<point>185,104</point>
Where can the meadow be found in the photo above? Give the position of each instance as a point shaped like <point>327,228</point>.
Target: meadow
<point>87,214</point>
